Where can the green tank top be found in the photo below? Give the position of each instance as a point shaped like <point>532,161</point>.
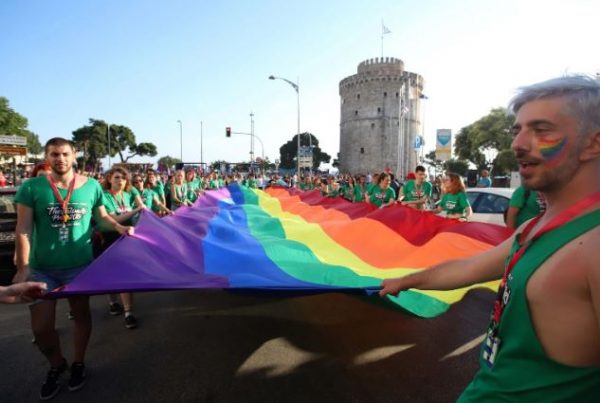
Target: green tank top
<point>522,372</point>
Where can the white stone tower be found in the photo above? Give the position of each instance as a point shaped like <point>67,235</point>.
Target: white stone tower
<point>380,118</point>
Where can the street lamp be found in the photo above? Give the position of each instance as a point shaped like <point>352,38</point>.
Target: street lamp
<point>296,87</point>
<point>180,140</point>
<point>108,135</point>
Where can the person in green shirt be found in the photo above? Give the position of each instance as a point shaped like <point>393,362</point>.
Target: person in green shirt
<point>542,343</point>
<point>417,192</point>
<point>307,184</point>
<point>149,196</point>
<point>454,203</point>
<point>154,183</point>
<point>382,195</point>
<point>251,181</point>
<point>123,203</point>
<point>371,185</point>
<point>347,188</point>
<point>360,190</point>
<point>524,205</point>
<point>193,185</point>
<point>53,245</point>
<point>179,191</point>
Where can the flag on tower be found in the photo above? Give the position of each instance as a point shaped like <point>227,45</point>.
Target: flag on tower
<point>384,29</point>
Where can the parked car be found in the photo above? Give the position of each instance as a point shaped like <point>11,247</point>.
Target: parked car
<point>8,223</point>
<point>489,204</point>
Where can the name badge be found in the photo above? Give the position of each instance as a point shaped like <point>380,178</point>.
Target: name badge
<point>63,234</point>
<point>490,348</point>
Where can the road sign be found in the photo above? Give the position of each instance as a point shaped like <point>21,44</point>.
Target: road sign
<point>13,150</point>
<point>13,140</point>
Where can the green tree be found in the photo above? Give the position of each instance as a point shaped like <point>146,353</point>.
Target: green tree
<point>167,162</point>
<point>93,141</point>
<point>457,166</point>
<point>484,141</point>
<point>13,123</point>
<point>432,159</point>
<point>289,151</point>
<point>336,161</point>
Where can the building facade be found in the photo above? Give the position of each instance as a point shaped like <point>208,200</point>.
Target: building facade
<point>380,118</point>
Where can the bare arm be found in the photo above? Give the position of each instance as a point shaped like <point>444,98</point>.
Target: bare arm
<point>110,222</point>
<point>23,242</point>
<point>22,292</point>
<point>511,217</point>
<point>594,284</point>
<point>454,274</point>
<point>139,202</point>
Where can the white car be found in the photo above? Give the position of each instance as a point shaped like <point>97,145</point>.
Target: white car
<point>489,204</point>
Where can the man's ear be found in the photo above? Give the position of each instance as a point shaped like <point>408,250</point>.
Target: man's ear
<point>591,148</point>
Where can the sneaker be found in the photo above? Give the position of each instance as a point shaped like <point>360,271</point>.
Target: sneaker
<point>51,387</point>
<point>78,376</point>
<point>70,315</point>
<point>115,309</point>
<point>130,322</point>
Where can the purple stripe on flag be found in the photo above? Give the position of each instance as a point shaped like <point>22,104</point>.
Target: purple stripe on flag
<point>164,253</point>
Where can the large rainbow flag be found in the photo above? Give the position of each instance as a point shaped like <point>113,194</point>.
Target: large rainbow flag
<point>286,240</point>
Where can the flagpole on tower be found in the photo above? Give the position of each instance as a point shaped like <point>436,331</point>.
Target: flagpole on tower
<point>384,30</point>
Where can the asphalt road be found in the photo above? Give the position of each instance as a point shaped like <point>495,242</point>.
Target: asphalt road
<point>216,346</point>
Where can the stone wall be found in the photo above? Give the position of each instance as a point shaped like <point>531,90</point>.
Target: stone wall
<point>370,128</point>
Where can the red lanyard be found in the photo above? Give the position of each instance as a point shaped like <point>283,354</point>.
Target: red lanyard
<point>64,203</point>
<point>564,217</point>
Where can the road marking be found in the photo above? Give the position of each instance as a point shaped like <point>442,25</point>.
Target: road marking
<point>380,353</point>
<point>276,357</point>
<point>465,347</point>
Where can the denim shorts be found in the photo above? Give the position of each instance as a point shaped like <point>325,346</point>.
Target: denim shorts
<point>54,278</point>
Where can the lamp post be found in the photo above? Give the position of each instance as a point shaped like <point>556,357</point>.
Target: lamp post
<point>201,150</point>
<point>108,135</point>
<point>180,140</point>
<point>296,87</point>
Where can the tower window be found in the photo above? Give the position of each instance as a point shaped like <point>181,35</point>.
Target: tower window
<point>362,150</point>
<point>355,113</point>
<point>372,125</point>
<point>378,110</point>
<point>357,96</point>
<point>397,94</point>
<point>385,94</point>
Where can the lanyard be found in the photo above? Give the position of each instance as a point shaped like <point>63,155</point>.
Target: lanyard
<point>120,204</point>
<point>564,217</point>
<point>63,202</point>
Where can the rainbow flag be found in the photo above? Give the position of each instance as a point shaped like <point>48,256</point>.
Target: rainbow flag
<point>286,240</point>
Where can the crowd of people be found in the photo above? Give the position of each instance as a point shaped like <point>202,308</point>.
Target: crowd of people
<point>543,339</point>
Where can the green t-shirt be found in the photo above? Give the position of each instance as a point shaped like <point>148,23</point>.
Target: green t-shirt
<point>412,192</point>
<point>48,252</point>
<point>378,196</point>
<point>213,184</point>
<point>148,197</point>
<point>118,204</point>
<point>359,192</point>
<point>306,186</point>
<point>251,183</point>
<point>529,202</point>
<point>193,188</point>
<point>454,203</point>
<point>181,191</point>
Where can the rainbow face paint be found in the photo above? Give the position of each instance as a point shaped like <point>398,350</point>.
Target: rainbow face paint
<point>553,150</point>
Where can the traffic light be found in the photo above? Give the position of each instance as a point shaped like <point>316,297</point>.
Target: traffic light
<point>228,131</point>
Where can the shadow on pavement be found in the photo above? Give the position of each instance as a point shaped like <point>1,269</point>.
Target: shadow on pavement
<point>222,347</point>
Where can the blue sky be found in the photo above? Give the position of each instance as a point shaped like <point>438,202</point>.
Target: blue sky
<point>147,64</point>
